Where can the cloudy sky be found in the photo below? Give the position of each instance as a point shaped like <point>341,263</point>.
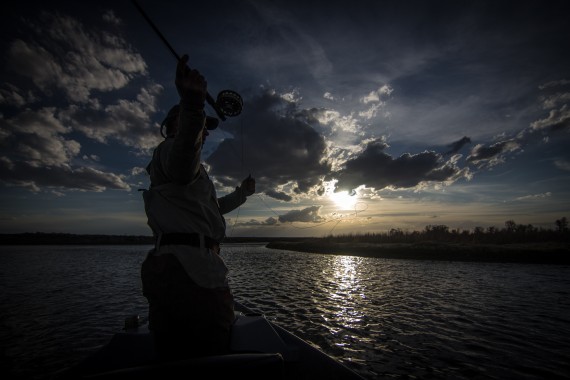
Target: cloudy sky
<point>358,116</point>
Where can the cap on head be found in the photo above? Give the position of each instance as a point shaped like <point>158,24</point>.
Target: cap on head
<point>211,122</point>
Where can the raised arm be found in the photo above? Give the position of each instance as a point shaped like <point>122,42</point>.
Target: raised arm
<point>235,199</point>
<point>183,158</point>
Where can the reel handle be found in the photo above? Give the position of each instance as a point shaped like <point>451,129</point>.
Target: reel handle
<point>216,107</point>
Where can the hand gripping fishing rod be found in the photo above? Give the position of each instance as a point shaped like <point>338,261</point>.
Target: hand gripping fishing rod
<point>228,103</point>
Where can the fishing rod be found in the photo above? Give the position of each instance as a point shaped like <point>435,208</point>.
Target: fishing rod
<point>228,103</point>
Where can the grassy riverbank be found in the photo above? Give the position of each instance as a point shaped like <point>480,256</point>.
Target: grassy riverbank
<point>538,253</point>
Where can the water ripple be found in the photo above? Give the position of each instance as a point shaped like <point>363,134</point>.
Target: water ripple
<point>383,318</point>
<point>422,319</point>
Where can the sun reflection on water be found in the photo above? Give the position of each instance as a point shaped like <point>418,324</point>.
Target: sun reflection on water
<point>347,285</point>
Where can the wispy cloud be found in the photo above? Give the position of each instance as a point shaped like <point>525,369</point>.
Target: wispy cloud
<point>494,154</point>
<point>534,196</point>
<point>562,164</point>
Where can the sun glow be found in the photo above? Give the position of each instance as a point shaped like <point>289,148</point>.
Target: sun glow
<point>343,200</point>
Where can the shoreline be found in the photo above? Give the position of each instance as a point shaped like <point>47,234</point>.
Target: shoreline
<point>84,239</point>
<point>545,253</point>
<point>536,253</point>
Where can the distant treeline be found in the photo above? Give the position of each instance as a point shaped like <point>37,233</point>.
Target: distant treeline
<point>512,233</point>
<point>42,238</point>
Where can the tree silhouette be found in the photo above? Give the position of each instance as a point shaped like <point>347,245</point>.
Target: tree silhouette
<point>511,233</point>
<point>562,224</point>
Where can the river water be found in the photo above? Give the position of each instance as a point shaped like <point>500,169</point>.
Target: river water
<point>383,318</point>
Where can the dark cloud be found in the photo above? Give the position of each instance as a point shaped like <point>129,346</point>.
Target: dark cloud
<point>306,215</point>
<point>58,177</point>
<point>375,168</point>
<point>278,195</point>
<point>276,147</point>
<point>492,154</point>
<point>456,146</point>
<point>255,223</point>
<point>38,138</point>
<point>37,152</point>
<point>288,156</point>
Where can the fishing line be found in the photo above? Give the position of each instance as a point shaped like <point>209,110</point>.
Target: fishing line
<point>241,157</point>
<point>241,176</point>
<point>266,205</point>
<point>292,225</point>
<point>338,220</point>
<point>332,229</point>
<point>260,197</point>
<point>228,136</point>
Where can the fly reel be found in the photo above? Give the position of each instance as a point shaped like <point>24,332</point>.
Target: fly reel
<point>230,103</point>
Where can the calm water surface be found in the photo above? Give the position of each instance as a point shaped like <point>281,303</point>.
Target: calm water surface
<point>383,318</point>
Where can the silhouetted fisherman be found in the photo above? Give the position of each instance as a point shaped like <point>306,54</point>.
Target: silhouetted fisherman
<point>184,278</point>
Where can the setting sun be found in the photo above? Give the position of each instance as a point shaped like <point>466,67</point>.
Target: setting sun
<point>344,200</point>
